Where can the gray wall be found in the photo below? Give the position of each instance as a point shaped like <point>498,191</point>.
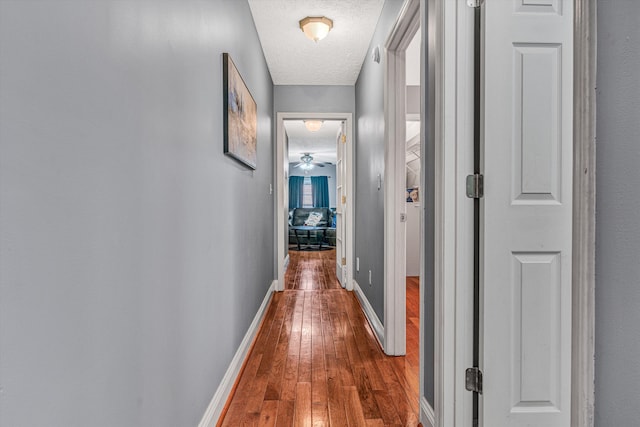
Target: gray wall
<point>127,281</point>
<point>314,99</point>
<point>618,215</point>
<point>328,170</point>
<point>369,201</point>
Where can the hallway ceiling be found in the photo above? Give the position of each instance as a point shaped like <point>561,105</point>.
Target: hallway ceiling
<point>293,59</point>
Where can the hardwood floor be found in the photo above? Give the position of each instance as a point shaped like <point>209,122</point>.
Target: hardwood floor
<point>311,270</point>
<point>316,362</point>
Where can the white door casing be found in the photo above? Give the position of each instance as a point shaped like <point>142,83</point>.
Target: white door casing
<point>281,165</point>
<point>399,39</point>
<point>341,199</point>
<point>527,213</point>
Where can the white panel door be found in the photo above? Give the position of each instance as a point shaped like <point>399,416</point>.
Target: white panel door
<point>527,213</point>
<point>341,147</point>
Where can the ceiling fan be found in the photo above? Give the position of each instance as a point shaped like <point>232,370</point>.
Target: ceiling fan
<point>306,162</point>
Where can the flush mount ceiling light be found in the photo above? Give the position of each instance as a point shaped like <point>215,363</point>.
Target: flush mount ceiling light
<point>313,125</point>
<point>316,27</point>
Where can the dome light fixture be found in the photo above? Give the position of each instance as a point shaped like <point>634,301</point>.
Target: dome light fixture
<point>313,125</point>
<point>316,27</point>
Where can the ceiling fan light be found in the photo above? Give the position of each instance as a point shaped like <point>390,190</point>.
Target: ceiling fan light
<point>316,27</point>
<point>313,125</point>
<point>306,166</point>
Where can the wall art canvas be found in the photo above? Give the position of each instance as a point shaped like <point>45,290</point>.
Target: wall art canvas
<point>412,195</point>
<point>240,116</point>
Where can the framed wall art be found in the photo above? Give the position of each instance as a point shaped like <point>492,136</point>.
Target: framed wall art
<point>240,116</point>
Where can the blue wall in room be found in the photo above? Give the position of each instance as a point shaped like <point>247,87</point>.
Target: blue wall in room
<point>134,253</point>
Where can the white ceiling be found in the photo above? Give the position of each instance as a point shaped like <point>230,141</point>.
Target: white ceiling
<point>321,144</point>
<point>293,59</point>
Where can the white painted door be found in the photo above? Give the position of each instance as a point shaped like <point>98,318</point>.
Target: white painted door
<point>527,213</point>
<point>341,148</point>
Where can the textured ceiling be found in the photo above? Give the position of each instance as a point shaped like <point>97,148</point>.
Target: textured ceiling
<point>293,59</point>
<point>321,144</point>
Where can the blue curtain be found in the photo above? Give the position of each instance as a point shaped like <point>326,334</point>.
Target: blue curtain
<point>320,191</point>
<point>295,191</point>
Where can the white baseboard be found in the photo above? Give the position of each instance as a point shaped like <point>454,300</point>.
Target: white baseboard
<point>370,313</point>
<point>286,263</point>
<point>211,415</point>
<point>427,415</point>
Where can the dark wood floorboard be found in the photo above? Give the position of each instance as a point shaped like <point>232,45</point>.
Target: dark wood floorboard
<point>316,362</point>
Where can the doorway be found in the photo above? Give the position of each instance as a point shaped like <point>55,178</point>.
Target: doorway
<point>297,153</point>
<point>314,242</point>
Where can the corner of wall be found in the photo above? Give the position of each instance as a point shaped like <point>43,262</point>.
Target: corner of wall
<point>370,314</point>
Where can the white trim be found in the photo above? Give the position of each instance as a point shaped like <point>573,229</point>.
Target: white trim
<point>399,39</point>
<point>427,416</point>
<point>449,140</point>
<point>459,74</point>
<point>287,259</point>
<point>280,190</point>
<point>211,415</point>
<point>444,231</point>
<point>584,202</point>
<point>369,313</point>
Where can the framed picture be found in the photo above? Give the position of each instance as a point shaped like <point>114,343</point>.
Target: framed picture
<point>412,195</point>
<point>240,116</point>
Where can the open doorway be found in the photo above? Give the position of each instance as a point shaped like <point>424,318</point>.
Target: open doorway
<point>413,202</point>
<point>403,209</point>
<point>313,177</point>
<point>314,186</point>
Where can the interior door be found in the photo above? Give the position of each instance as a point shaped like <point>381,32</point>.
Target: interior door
<point>341,147</point>
<point>527,213</point>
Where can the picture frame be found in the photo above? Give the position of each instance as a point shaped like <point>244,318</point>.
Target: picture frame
<point>240,116</point>
<point>413,195</point>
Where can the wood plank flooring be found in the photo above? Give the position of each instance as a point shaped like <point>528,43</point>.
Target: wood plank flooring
<point>310,270</point>
<point>316,362</point>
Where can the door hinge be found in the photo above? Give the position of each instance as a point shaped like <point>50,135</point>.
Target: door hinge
<point>473,380</point>
<point>344,200</point>
<point>474,3</point>
<point>344,138</point>
<point>344,261</point>
<point>475,186</point>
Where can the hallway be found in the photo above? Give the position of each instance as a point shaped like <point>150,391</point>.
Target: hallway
<point>315,360</point>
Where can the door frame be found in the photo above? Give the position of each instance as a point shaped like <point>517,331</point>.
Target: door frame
<point>279,163</point>
<point>446,92</point>
<point>395,178</point>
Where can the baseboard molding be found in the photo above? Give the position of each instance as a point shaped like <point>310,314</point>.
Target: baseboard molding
<point>216,406</point>
<point>370,313</point>
<point>286,263</point>
<point>427,415</point>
